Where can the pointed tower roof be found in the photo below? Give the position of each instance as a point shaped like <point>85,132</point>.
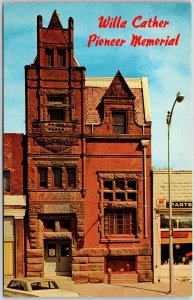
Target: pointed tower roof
<point>119,88</point>
<point>55,22</point>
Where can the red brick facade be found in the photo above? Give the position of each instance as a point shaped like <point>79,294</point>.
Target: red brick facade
<point>14,199</point>
<point>14,161</point>
<point>88,168</point>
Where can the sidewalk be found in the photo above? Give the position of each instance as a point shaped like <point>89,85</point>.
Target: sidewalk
<point>119,290</point>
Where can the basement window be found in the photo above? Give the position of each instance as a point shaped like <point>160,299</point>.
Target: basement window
<point>120,264</point>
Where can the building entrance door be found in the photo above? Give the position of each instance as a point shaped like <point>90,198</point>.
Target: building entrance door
<point>57,257</point>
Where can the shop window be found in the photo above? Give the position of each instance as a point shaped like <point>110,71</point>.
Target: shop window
<point>184,221</point>
<point>49,225</point>
<point>43,177</point>
<point>118,221</point>
<point>120,265</point>
<point>65,224</point>
<point>57,177</point>
<point>56,114</point>
<point>71,177</point>
<point>61,58</point>
<point>6,181</point>
<point>57,99</point>
<point>182,254</point>
<point>179,221</point>
<point>50,57</point>
<point>119,122</point>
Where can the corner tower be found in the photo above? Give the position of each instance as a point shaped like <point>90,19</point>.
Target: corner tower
<point>54,85</point>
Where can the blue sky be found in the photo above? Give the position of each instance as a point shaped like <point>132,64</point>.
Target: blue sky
<point>168,68</point>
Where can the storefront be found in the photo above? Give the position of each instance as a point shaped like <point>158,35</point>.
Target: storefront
<point>182,226</point>
<point>14,236</point>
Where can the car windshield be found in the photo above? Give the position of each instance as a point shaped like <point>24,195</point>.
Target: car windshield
<point>43,285</point>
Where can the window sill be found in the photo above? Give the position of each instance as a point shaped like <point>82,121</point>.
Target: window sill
<point>56,235</point>
<point>53,190</point>
<point>120,240</point>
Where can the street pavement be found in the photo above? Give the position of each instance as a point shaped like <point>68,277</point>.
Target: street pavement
<point>123,290</point>
<point>145,289</point>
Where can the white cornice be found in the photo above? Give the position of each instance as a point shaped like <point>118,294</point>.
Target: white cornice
<point>106,81</point>
<point>13,200</point>
<point>17,213</point>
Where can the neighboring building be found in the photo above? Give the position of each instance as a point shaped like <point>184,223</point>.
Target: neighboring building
<point>88,168</point>
<point>14,205</point>
<point>182,225</point>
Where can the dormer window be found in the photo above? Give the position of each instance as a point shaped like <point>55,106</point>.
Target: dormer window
<point>119,122</point>
<point>49,57</point>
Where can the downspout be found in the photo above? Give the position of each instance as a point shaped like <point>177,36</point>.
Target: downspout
<point>145,143</point>
<point>70,50</point>
<point>83,138</point>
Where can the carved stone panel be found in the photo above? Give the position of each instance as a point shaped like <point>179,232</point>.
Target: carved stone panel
<point>34,208</point>
<point>57,144</point>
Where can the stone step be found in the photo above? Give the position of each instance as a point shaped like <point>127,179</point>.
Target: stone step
<point>63,279</point>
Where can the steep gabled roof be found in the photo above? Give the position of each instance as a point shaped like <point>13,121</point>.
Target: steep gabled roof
<point>55,22</point>
<point>119,88</point>
<point>96,88</point>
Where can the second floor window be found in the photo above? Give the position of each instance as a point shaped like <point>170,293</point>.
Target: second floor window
<point>43,177</point>
<point>121,221</point>
<point>49,225</point>
<point>56,114</point>
<point>57,177</point>
<point>71,180</point>
<point>119,122</point>
<point>6,181</point>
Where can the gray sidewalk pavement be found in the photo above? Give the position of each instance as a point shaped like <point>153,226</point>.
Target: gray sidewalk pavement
<point>121,290</point>
<point>131,290</point>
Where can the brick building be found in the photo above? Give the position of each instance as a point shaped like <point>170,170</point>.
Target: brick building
<point>181,183</point>
<point>14,205</point>
<point>88,167</point>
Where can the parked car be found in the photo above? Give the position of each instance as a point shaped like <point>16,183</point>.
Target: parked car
<point>36,287</point>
